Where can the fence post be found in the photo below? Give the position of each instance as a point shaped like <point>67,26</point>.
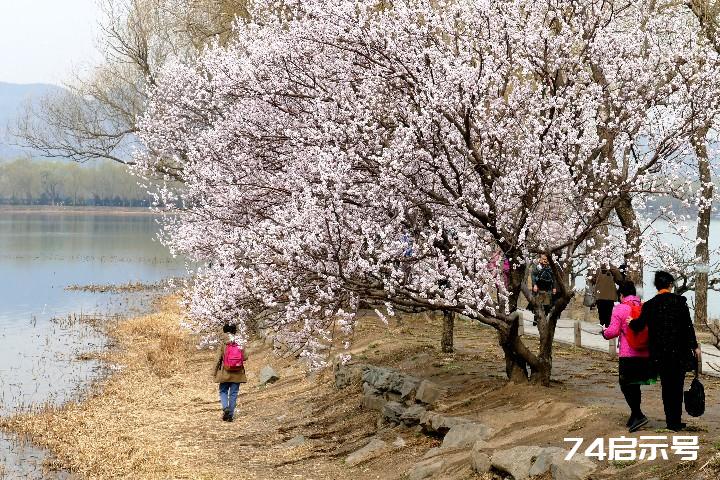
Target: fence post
<point>700,362</point>
<point>612,347</point>
<point>577,333</point>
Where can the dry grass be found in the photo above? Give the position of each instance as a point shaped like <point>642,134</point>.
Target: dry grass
<point>157,417</point>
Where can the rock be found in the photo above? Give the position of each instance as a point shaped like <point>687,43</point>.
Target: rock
<point>428,392</point>
<point>268,375</point>
<point>383,379</point>
<point>388,380</point>
<point>412,415</point>
<point>373,399</point>
<point>547,457</point>
<point>409,388</point>
<point>433,452</point>
<point>399,442</point>
<point>425,469</point>
<point>346,375</point>
<point>575,469</point>
<point>439,424</point>
<point>373,402</point>
<point>392,411</point>
<point>439,464</point>
<point>480,461</point>
<point>516,461</point>
<point>465,435</point>
<point>295,441</point>
<point>371,450</point>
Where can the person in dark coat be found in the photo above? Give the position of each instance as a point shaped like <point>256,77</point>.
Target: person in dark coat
<point>672,344</point>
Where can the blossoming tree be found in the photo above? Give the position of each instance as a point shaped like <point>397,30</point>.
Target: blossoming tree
<point>340,153</point>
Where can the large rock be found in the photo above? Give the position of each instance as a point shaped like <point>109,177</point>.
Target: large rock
<point>547,457</point>
<point>575,469</point>
<point>439,466</point>
<point>388,380</point>
<point>374,448</point>
<point>346,375</point>
<point>465,435</point>
<point>516,461</point>
<point>372,399</point>
<point>480,461</point>
<point>412,415</point>
<point>408,388</point>
<point>268,375</point>
<point>428,392</point>
<point>425,469</point>
<point>439,424</point>
<point>392,411</point>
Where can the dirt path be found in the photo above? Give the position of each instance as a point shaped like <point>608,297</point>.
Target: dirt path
<point>158,416</point>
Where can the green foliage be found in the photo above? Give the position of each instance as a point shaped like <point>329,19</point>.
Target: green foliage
<point>28,182</point>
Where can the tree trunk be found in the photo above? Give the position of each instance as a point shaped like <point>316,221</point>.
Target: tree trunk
<point>446,344</point>
<point>702,254</point>
<point>633,256</point>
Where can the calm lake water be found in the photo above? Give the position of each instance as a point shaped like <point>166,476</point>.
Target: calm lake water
<point>41,254</point>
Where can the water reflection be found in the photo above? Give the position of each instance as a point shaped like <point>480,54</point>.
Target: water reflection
<point>40,255</point>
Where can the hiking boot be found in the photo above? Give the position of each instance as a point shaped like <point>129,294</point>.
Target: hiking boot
<point>631,419</point>
<point>638,423</point>
<point>677,428</point>
<point>226,415</point>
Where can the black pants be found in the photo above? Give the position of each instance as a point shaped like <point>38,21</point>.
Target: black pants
<point>605,308</point>
<point>673,383</point>
<point>633,397</point>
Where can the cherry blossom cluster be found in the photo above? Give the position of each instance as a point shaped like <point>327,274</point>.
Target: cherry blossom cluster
<point>341,155</point>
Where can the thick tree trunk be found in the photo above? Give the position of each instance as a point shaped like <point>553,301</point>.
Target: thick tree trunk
<point>446,344</point>
<point>633,256</point>
<point>702,254</point>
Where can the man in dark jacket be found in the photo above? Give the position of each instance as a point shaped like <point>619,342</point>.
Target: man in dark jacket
<point>672,343</point>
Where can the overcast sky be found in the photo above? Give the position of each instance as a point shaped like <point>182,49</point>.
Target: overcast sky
<point>43,41</point>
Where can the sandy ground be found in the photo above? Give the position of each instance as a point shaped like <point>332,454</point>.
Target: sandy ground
<point>158,416</point>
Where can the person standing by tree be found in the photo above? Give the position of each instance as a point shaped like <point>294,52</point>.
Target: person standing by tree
<point>672,343</point>
<point>606,294</point>
<point>543,283</point>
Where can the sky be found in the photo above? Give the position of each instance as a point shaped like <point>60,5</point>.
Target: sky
<point>45,41</point>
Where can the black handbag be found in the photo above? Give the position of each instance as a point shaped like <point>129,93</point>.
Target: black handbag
<point>695,397</point>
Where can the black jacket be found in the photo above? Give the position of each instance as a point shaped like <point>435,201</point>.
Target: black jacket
<point>671,335</point>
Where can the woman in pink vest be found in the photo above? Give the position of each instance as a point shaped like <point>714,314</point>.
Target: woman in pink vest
<point>634,366</point>
<point>229,380</point>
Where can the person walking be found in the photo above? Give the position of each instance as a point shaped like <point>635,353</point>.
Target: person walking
<point>606,294</point>
<point>672,342</point>
<point>543,283</point>
<point>227,373</point>
<point>634,367</point>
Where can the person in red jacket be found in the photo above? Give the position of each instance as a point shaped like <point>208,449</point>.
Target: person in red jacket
<point>634,368</point>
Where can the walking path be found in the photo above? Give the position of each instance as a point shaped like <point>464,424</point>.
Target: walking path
<point>590,338</point>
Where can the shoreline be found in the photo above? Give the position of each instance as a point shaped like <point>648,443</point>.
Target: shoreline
<point>156,415</point>
<point>74,210</point>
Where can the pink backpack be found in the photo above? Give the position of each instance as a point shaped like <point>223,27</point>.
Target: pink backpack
<point>233,357</point>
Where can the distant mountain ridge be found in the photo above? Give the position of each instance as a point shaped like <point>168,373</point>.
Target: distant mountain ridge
<point>13,98</point>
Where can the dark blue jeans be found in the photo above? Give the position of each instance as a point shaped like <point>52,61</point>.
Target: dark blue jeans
<point>228,396</point>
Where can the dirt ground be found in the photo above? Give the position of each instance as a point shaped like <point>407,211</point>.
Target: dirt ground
<point>158,416</point>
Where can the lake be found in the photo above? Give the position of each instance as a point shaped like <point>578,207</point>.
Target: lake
<point>41,254</point>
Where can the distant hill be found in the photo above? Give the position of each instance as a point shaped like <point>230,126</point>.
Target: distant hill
<point>13,97</point>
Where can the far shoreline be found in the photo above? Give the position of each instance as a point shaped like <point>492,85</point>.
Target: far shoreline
<point>63,209</point>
